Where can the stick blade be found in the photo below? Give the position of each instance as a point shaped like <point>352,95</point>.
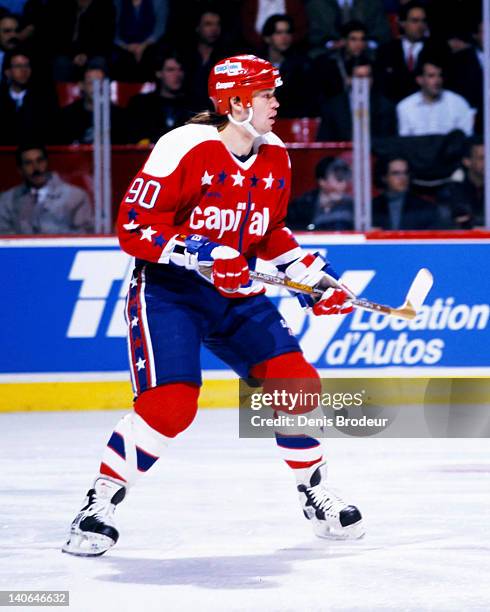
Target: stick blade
<point>420,287</point>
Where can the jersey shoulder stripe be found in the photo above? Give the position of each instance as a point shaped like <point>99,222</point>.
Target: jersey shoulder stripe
<point>173,146</point>
<point>272,139</point>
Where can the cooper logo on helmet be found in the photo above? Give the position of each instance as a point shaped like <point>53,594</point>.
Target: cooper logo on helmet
<point>225,85</point>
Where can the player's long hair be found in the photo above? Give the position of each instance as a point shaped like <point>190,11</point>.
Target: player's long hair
<point>210,118</point>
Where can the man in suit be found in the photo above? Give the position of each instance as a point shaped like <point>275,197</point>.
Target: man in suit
<point>333,69</point>
<point>336,118</point>
<point>465,76</point>
<point>397,208</point>
<point>326,18</point>
<point>152,115</point>
<point>398,60</point>
<point>27,108</point>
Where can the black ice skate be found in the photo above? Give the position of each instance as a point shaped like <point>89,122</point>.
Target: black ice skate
<point>93,530</point>
<point>330,516</point>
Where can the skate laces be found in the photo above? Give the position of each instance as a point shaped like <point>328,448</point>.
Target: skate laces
<point>100,508</point>
<point>325,500</point>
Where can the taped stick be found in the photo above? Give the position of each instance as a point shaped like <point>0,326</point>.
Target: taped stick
<point>416,295</point>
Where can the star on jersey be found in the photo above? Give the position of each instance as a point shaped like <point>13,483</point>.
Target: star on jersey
<point>159,240</point>
<point>221,177</point>
<point>140,364</point>
<point>132,214</point>
<point>254,180</point>
<point>268,181</point>
<point>281,182</point>
<point>147,233</point>
<point>238,179</point>
<point>134,282</point>
<point>131,225</point>
<point>206,178</point>
<point>134,321</point>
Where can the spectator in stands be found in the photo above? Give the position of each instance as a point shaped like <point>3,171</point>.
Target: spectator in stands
<point>255,13</point>
<point>184,16</point>
<point>328,207</point>
<point>9,40</point>
<point>336,116</point>
<point>333,70</point>
<point>43,203</point>
<point>398,60</point>
<point>201,56</point>
<point>140,25</point>
<point>75,32</point>
<point>27,109</point>
<point>466,75</point>
<point>465,200</point>
<point>326,18</point>
<point>433,110</point>
<point>397,208</point>
<point>77,118</point>
<point>153,114</point>
<point>295,68</point>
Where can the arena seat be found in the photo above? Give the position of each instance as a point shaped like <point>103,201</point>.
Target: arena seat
<point>297,130</point>
<point>121,92</point>
<point>67,92</point>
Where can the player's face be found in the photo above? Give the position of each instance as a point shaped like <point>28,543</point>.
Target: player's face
<point>397,178</point>
<point>265,105</point>
<point>34,168</point>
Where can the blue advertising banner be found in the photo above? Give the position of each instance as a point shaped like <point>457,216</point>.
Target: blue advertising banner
<point>63,303</point>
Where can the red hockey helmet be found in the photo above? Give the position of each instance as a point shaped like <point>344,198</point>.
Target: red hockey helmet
<point>239,76</point>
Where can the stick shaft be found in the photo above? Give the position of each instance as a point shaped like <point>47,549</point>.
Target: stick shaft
<point>406,312</point>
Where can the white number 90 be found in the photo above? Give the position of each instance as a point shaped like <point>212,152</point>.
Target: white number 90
<point>146,192</point>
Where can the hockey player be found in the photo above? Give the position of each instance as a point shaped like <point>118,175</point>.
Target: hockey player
<point>213,193</point>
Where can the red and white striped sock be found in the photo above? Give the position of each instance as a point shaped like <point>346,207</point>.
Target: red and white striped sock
<point>132,449</point>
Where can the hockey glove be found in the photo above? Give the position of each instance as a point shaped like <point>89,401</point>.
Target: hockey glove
<point>230,268</point>
<point>314,271</point>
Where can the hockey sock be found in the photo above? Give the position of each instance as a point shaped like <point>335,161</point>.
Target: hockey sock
<point>300,450</point>
<point>141,437</point>
<point>132,449</point>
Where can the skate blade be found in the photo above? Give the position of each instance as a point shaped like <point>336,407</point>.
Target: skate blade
<point>355,531</point>
<point>87,545</point>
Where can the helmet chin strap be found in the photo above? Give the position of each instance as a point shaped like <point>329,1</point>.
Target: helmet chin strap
<point>246,123</point>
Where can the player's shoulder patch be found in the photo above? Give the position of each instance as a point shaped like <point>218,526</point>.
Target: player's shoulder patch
<point>173,146</point>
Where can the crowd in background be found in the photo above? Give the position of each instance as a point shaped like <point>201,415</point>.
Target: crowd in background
<point>423,61</point>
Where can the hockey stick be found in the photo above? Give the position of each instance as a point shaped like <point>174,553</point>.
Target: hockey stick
<point>416,295</point>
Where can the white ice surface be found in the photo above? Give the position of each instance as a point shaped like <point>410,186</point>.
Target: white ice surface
<point>217,526</point>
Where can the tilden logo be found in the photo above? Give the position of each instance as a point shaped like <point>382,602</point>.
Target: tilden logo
<point>98,270</point>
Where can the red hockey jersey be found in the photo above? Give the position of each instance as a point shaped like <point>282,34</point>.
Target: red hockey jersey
<point>192,184</point>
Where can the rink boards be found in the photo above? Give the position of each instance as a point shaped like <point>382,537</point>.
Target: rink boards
<point>64,345</point>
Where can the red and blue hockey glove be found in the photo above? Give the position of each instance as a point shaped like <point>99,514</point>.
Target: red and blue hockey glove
<point>314,271</point>
<point>230,268</point>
